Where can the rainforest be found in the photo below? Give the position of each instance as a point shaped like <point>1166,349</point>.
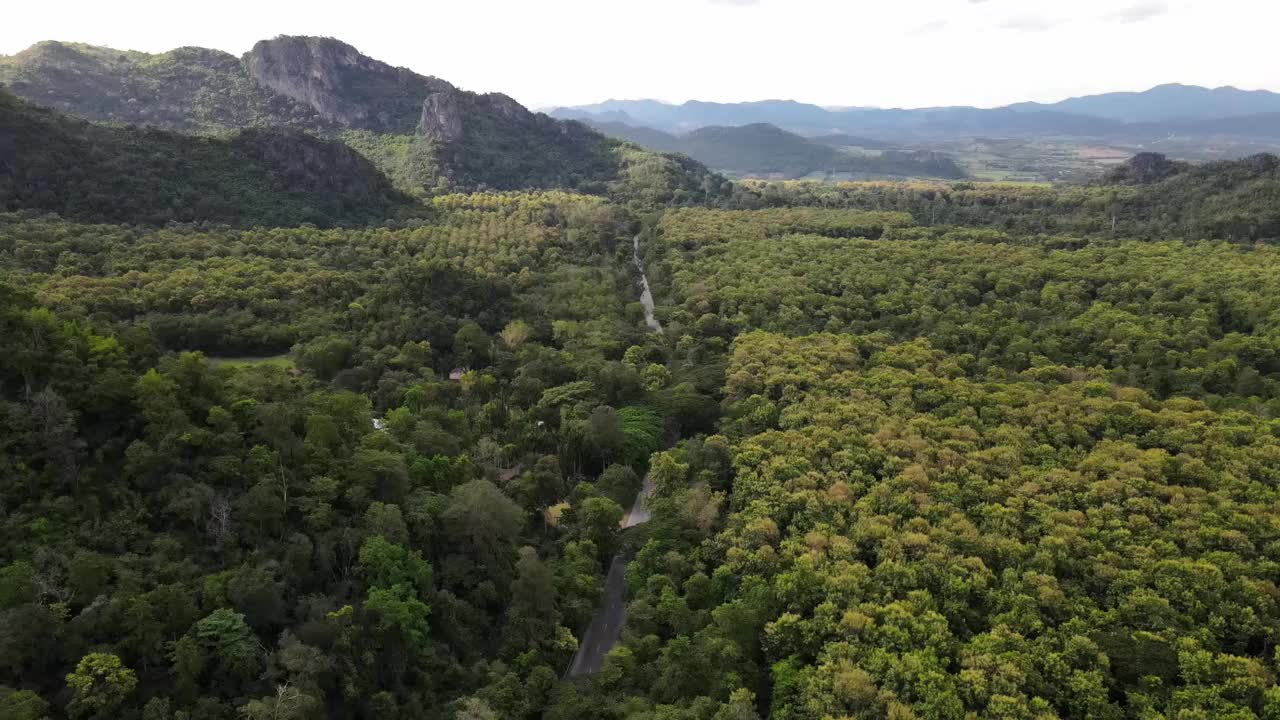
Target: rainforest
<point>469,413</point>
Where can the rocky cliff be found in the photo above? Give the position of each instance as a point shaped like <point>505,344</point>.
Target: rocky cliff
<point>342,85</point>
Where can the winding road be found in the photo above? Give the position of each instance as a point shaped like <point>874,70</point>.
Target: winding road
<point>606,626</point>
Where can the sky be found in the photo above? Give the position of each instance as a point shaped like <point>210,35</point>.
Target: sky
<point>886,53</point>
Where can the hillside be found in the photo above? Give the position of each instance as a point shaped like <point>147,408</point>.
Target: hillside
<point>640,135</point>
<point>763,149</point>
<point>423,132</point>
<point>847,140</point>
<point>124,174</point>
<point>1236,199</point>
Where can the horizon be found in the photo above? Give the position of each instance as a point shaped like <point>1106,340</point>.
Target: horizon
<point>837,107</point>
<point>845,107</point>
<point>567,53</point>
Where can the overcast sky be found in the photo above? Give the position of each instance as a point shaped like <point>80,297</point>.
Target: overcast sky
<point>899,53</point>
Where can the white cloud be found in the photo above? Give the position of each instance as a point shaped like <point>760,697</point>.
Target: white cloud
<point>932,26</point>
<point>1029,23</point>
<point>1140,12</point>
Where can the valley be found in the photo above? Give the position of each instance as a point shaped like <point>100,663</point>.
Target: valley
<point>331,389</point>
<point>1072,141</point>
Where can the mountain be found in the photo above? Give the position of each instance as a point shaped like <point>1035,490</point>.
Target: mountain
<point>695,114</point>
<point>1128,117</point>
<point>104,173</point>
<point>762,149</point>
<point>1263,126</point>
<point>188,89</point>
<point>880,124</point>
<point>640,135</point>
<point>423,132</point>
<point>847,140</point>
<point>1166,103</point>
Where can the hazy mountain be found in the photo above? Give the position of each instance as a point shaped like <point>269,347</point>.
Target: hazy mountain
<point>422,131</point>
<point>937,122</point>
<point>847,140</point>
<point>646,137</point>
<point>1265,126</point>
<point>695,114</point>
<point>1166,103</point>
<point>1133,117</point>
<point>761,149</point>
<point>879,123</point>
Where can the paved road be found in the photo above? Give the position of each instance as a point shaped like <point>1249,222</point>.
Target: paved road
<point>639,513</point>
<point>646,297</point>
<point>606,626</point>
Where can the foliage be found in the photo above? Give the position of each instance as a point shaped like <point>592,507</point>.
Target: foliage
<point>933,461</point>
<point>241,535</point>
<point>1229,200</point>
<point>909,538</point>
<point>1185,318</point>
<point>99,685</point>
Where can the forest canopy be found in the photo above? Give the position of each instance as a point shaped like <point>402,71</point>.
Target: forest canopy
<point>291,430</point>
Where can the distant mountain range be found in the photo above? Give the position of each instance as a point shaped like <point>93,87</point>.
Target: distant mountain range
<point>1166,103</point>
<point>761,149</point>
<point>1130,117</point>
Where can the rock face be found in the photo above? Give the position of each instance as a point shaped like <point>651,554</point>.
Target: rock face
<point>441,118</point>
<point>341,84</point>
<point>507,107</point>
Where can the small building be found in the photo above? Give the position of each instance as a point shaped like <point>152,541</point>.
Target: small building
<point>456,374</point>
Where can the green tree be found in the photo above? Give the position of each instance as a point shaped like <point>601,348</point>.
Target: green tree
<point>227,640</point>
<point>383,563</point>
<point>99,685</point>
<point>471,346</point>
<point>22,705</point>
<point>533,617</point>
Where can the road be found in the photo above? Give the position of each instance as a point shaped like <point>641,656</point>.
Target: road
<point>606,626</point>
<point>639,513</point>
<point>646,297</point>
